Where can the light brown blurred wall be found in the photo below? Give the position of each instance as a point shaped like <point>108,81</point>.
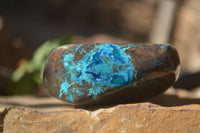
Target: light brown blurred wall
<point>187,35</point>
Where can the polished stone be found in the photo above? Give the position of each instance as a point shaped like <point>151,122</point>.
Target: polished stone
<point>89,74</point>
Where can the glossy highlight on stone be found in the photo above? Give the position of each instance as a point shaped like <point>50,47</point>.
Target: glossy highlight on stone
<point>86,74</point>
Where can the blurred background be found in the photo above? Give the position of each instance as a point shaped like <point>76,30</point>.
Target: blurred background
<point>30,28</point>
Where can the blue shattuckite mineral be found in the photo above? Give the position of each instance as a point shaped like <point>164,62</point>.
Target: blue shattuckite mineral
<point>86,74</point>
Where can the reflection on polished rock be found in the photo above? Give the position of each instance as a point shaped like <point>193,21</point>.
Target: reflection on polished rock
<point>105,73</point>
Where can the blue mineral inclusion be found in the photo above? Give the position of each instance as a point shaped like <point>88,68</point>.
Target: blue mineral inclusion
<point>105,67</point>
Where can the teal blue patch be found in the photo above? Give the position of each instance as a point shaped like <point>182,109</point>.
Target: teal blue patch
<point>165,45</point>
<point>106,66</point>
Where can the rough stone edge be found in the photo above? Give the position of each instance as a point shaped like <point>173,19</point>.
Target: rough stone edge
<point>3,113</point>
<point>146,105</point>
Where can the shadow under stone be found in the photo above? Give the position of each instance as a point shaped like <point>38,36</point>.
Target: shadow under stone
<point>162,100</point>
<point>188,81</point>
<point>172,100</point>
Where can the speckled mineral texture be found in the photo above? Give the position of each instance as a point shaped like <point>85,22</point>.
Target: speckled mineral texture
<point>91,74</point>
<point>137,118</point>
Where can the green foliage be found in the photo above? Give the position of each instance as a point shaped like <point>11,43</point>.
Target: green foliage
<point>28,76</point>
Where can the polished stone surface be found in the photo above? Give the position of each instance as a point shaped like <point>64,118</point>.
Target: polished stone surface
<point>86,74</point>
